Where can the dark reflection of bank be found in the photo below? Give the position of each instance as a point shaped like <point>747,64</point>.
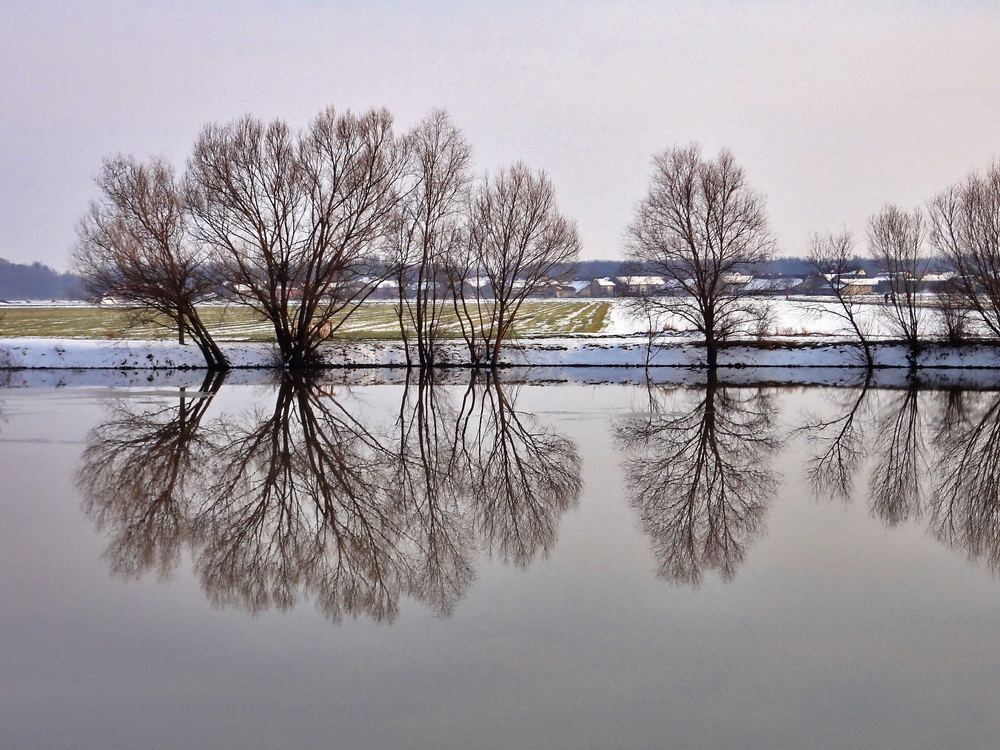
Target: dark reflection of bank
<point>699,475</point>
<point>309,499</point>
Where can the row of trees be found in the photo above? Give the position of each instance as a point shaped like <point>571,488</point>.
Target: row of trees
<point>701,226</point>
<point>959,227</point>
<point>303,226</point>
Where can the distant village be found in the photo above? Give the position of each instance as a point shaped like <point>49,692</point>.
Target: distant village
<point>38,282</point>
<point>813,284</point>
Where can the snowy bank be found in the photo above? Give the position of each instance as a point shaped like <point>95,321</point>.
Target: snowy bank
<point>617,351</point>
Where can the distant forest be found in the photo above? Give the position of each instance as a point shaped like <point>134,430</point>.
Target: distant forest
<point>36,281</point>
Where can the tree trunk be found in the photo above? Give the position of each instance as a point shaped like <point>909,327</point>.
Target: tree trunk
<point>712,351</point>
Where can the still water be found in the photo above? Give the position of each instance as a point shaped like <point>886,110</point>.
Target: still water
<point>499,565</point>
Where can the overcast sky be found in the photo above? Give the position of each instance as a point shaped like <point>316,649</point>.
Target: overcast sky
<point>833,108</point>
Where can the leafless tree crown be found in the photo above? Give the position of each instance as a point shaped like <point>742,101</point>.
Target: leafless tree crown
<point>135,244</point>
<point>896,239</point>
<point>965,229</point>
<point>293,221</point>
<point>517,240</point>
<point>429,228</point>
<point>698,225</point>
<point>832,256</point>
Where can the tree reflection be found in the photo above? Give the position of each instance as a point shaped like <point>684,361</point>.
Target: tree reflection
<point>965,511</point>
<point>311,498</point>
<point>138,470</point>
<point>300,503</point>
<point>892,432</point>
<point>896,486</point>
<point>934,454</point>
<point>699,476</point>
<point>839,442</point>
<point>522,478</point>
<point>432,494</point>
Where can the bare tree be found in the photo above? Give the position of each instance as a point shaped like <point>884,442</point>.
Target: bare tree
<point>896,241</point>
<point>700,224</point>
<point>965,229</point>
<point>294,221</point>
<point>832,256</point>
<point>517,241</point>
<point>429,228</point>
<point>135,244</point>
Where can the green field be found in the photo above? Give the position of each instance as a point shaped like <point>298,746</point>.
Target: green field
<point>537,318</point>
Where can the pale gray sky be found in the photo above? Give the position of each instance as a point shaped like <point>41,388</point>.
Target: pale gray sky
<point>834,108</point>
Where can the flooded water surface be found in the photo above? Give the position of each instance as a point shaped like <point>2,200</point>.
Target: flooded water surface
<point>494,564</point>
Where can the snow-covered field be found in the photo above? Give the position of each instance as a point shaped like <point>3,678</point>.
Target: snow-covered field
<point>801,333</point>
<point>789,318</point>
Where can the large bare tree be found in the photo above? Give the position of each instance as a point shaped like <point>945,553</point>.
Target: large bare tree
<point>429,227</point>
<point>896,239</point>
<point>294,221</point>
<point>965,229</point>
<point>700,224</point>
<point>135,244</point>
<point>517,242</point>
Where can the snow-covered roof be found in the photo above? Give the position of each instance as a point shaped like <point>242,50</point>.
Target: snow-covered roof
<point>770,285</point>
<point>946,276</point>
<point>641,280</point>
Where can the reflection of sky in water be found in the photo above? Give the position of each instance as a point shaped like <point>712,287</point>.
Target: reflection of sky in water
<point>837,630</point>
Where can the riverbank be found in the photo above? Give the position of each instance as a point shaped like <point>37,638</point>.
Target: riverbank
<point>679,352</point>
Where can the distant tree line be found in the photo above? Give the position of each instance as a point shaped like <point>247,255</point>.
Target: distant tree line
<point>37,281</point>
<point>303,226</point>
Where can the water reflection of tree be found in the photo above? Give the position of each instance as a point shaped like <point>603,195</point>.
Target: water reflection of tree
<point>299,503</point>
<point>309,499</point>
<point>839,443</point>
<point>522,478</point>
<point>933,454</point>
<point>700,477</point>
<point>138,469</point>
<point>896,484</point>
<point>891,431</point>
<point>965,510</point>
